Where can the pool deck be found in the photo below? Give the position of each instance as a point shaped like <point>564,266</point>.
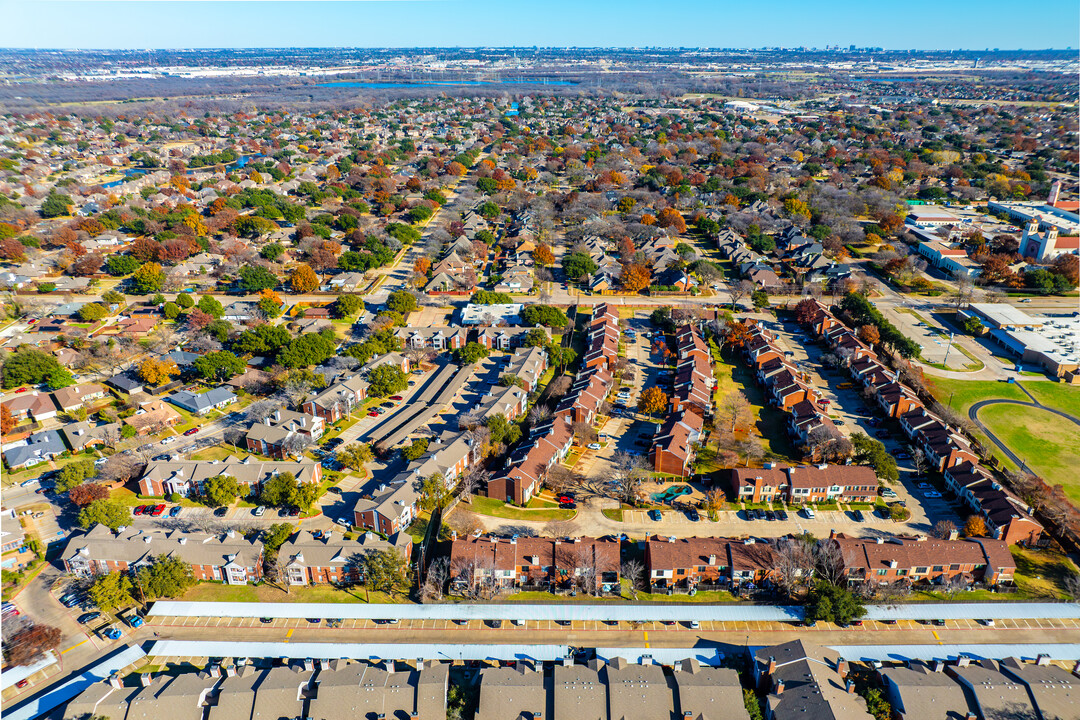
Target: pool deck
<point>695,497</point>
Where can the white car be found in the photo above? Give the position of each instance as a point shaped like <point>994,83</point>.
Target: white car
<point>594,446</point>
<point>168,441</point>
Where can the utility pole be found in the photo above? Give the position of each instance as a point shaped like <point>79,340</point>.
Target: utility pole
<point>948,347</point>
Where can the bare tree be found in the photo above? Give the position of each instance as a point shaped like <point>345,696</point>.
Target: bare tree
<point>943,529</point>
<point>559,528</point>
<point>584,432</point>
<point>258,411</point>
<point>829,561</point>
<point>438,573</point>
<point>735,409</point>
<point>121,468</point>
<point>1072,586</point>
<point>470,419</point>
<point>464,523</point>
<point>416,355</point>
<point>472,479</point>
<point>794,563</point>
<point>295,444</point>
<point>628,471</point>
<point>634,573</point>
<point>752,450</point>
<point>738,290</point>
<point>918,459</point>
<point>538,414</point>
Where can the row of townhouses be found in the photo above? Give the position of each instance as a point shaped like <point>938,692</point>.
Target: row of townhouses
<point>945,448</point>
<point>549,442</point>
<point>672,449</point>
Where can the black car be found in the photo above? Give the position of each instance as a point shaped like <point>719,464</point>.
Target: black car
<point>568,506</point>
<point>692,515</point>
<point>333,443</point>
<point>770,515</point>
<point>72,599</point>
<point>89,617</point>
<point>266,621</point>
<point>334,489</point>
<point>781,514</point>
<point>221,512</point>
<point>859,517</point>
<point>294,512</point>
<point>314,621</point>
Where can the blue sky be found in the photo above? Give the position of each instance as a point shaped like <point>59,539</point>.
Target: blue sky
<point>920,24</point>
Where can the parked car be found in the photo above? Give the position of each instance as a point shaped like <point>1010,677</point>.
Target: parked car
<point>594,446</point>
<point>259,511</point>
<point>158,510</point>
<point>31,481</point>
<point>139,510</point>
<point>334,489</point>
<point>71,599</point>
<point>89,617</point>
<point>343,522</point>
<point>859,517</point>
<point>294,512</point>
<point>396,398</point>
<point>192,431</point>
<point>881,434</point>
<point>692,515</point>
<point>568,506</point>
<point>809,513</point>
<point>174,510</point>
<point>169,440</point>
<point>24,682</point>
<point>113,633</point>
<point>770,515</point>
<point>781,515</point>
<point>221,512</point>
<point>655,515</point>
<point>931,494</point>
<point>266,620</point>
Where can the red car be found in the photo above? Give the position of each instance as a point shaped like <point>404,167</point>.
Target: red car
<point>22,389</point>
<point>22,683</point>
<point>373,414</point>
<point>395,397</point>
<point>158,510</point>
<point>565,499</point>
<point>31,321</point>
<point>192,431</point>
<point>139,510</point>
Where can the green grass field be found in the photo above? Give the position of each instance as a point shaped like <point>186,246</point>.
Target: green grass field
<point>965,393</point>
<point>1048,444</point>
<point>495,508</point>
<point>1056,395</point>
<point>217,592</point>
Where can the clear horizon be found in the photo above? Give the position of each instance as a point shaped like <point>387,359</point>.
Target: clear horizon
<point>403,24</point>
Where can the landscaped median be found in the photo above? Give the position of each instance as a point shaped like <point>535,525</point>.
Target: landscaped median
<point>536,511</point>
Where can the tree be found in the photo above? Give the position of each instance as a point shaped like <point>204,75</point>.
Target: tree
<point>73,474</point>
<point>86,493</point>
<point>386,380</point>
<point>185,301</point>
<point>829,603</point>
<point>872,452</point>
<point>577,264</point>
<point>402,301</point>
<point>635,277</point>
<point>221,490</point>
<point>220,365</point>
<point>157,372</point>
<point>211,306</point>
<point>92,312</point>
<point>149,278</point>
<point>738,290</point>
<point>29,366</point>
<point>272,251</point>
<point>542,255</point>
<point>275,536</point>
<point>975,526</point>
<point>7,420</point>
<point>385,570</point>
<point>943,529</point>
<point>627,473</point>
<point>752,704</point>
<point>652,401</point>
<point>278,490</point>
<point>254,278</point>
<point>170,310</point>
<point>306,350</point>
<point>415,450</point>
<point>470,353</point>
<point>434,492</point>
<point>546,315</point>
<point>869,334</point>
<point>355,455</point>
<point>735,410</point>
<point>348,305</point>
<point>110,513</point>
<point>164,577</point>
<point>29,644</point>
<point>112,591</point>
<point>304,279</point>
<point>56,205</point>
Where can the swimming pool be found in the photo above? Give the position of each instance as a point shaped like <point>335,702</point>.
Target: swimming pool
<point>671,493</point>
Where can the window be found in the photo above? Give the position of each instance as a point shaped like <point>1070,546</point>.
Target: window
<point>920,570</point>
<point>882,572</point>
<point>901,573</point>
<point>954,566</point>
<point>939,568</point>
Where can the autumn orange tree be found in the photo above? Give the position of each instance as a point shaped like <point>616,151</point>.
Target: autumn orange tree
<point>7,421</point>
<point>653,401</point>
<point>542,256</point>
<point>304,279</point>
<point>157,372</point>
<point>672,218</point>
<point>869,334</point>
<point>636,277</point>
<point>422,265</point>
<point>975,527</point>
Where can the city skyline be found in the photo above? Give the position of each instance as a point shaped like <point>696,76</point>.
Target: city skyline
<point>138,24</point>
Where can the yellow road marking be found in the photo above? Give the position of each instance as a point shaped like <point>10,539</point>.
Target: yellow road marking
<point>75,646</point>
<point>646,632</point>
<point>289,634</point>
<point>936,637</point>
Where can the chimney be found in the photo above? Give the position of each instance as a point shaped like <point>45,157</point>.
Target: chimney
<point>231,534</point>
<point>309,664</point>
<point>893,564</point>
<point>954,534</point>
<point>1076,669</point>
<point>146,678</point>
<point>842,667</point>
<point>1042,659</point>
<point>147,540</point>
<point>772,664</point>
<point>851,687</point>
<point>779,689</point>
<point>832,533</point>
<point>183,541</point>
<point>938,666</point>
<point>453,534</point>
<point>116,681</point>
<point>963,661</point>
<point>879,540</point>
<point>230,671</point>
<point>712,559</point>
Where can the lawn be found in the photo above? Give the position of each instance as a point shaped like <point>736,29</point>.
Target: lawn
<point>962,394</point>
<point>769,422</point>
<point>217,452</point>
<point>265,593</point>
<point>1041,573</point>
<point>1048,445</point>
<point>1056,395</point>
<point>497,508</point>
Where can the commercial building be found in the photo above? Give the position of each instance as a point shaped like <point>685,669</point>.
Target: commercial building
<point>1052,343</point>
